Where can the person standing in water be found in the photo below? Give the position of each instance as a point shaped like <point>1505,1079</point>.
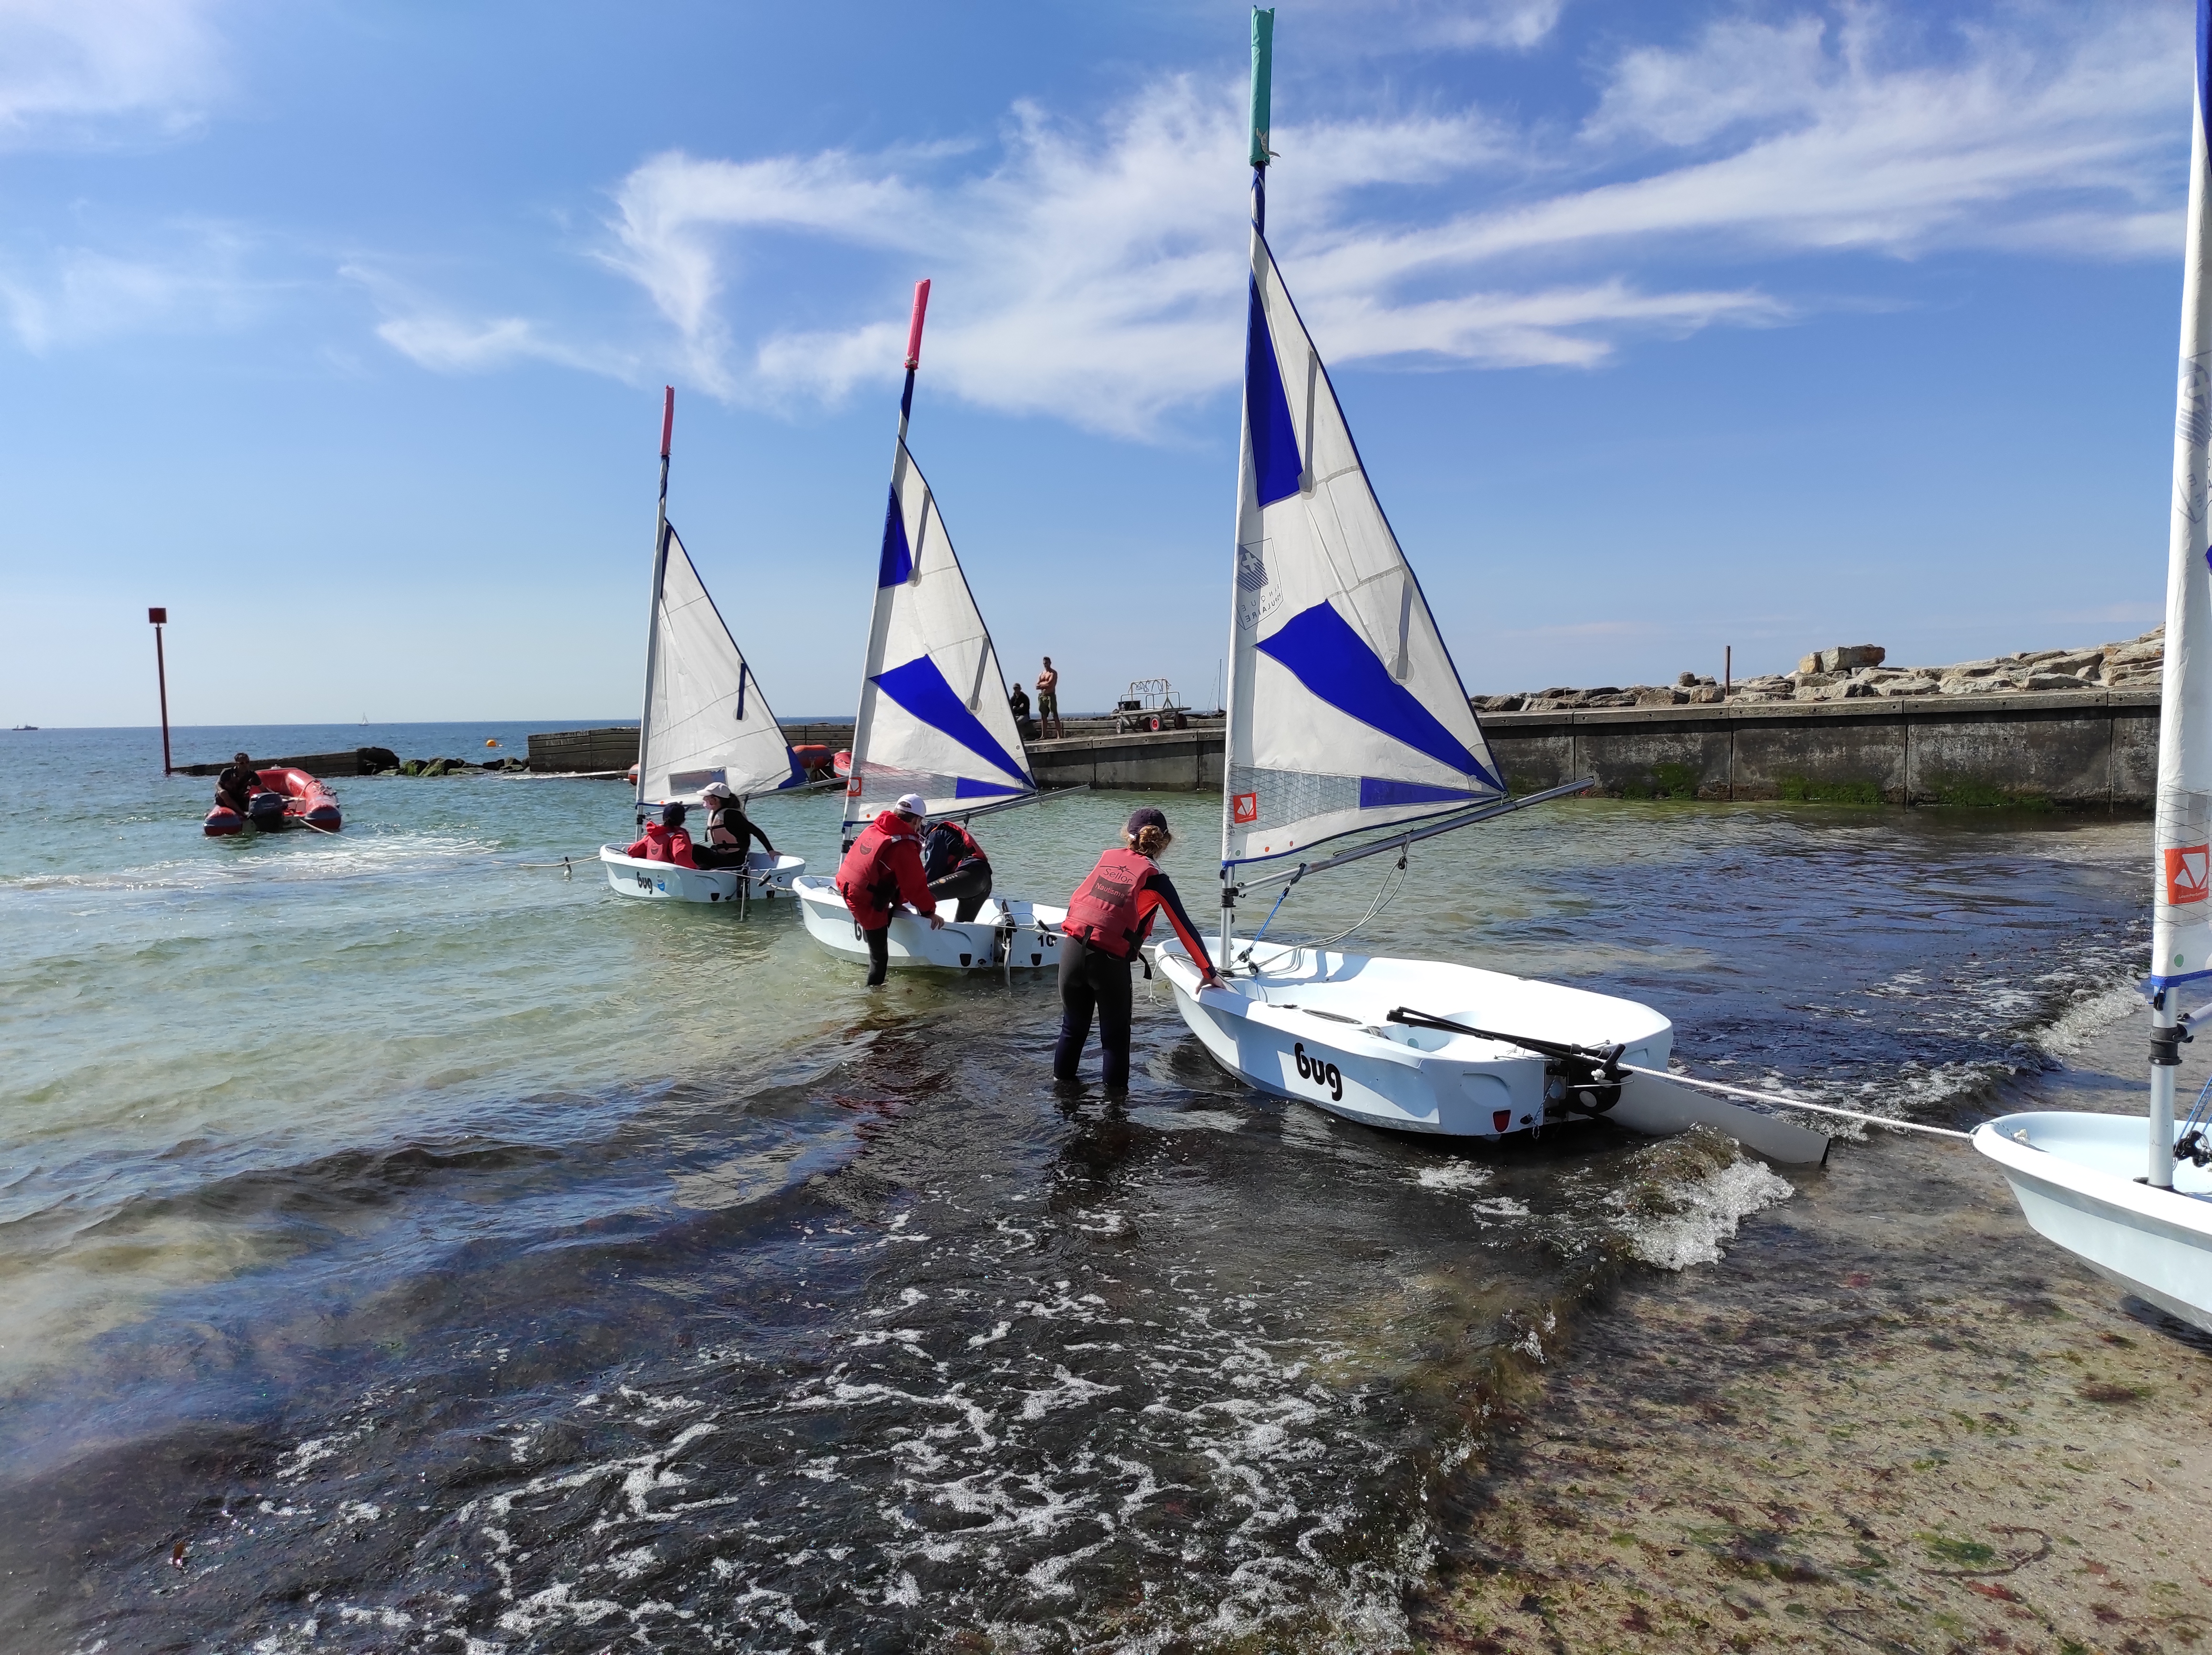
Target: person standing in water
<point>882,872</point>
<point>1107,920</point>
<point>1049,724</point>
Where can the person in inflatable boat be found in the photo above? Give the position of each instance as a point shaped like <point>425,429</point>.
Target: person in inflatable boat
<point>666,841</point>
<point>1109,917</point>
<point>235,787</point>
<point>882,872</point>
<point>729,831</point>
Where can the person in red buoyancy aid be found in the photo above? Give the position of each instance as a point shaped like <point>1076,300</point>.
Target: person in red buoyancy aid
<point>957,869</point>
<point>1107,920</point>
<point>880,873</point>
<point>666,841</point>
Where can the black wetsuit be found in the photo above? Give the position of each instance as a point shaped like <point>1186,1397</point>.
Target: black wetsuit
<point>237,785</point>
<point>731,819</point>
<point>1093,979</point>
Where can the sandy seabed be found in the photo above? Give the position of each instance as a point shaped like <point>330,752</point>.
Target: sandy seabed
<point>1892,1418</point>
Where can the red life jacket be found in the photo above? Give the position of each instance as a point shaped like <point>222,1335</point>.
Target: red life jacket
<point>969,850</point>
<point>1105,911</point>
<point>664,845</point>
<point>883,870</point>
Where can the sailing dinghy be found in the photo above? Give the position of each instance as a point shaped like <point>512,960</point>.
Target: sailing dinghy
<point>705,720</point>
<point>1346,716</point>
<point>934,719</point>
<point>2122,1192</point>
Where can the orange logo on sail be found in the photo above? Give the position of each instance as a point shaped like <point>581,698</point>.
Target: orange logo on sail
<point>1245,807</point>
<point>2186,871</point>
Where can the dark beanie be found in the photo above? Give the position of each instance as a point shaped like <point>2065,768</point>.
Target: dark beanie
<point>672,814</point>
<point>1145,815</point>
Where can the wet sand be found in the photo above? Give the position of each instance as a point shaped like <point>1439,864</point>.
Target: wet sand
<point>1892,1418</point>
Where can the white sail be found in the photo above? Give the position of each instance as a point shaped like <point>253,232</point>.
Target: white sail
<point>2181,931</point>
<point>1345,711</point>
<point>707,718</point>
<point>933,717</point>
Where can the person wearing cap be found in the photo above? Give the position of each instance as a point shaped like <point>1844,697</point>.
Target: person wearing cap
<point>729,831</point>
<point>666,841</point>
<point>1109,917</point>
<point>882,872</point>
<point>235,787</point>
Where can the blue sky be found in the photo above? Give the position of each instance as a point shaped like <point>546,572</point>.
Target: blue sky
<point>340,328</point>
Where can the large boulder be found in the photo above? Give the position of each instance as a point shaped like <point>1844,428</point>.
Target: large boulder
<point>1843,657</point>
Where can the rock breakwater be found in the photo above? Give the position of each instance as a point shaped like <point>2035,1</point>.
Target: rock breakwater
<point>1856,671</point>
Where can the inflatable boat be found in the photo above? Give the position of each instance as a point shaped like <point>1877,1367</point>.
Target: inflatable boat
<point>285,798</point>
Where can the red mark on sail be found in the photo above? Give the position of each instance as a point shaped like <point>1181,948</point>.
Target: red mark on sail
<point>2185,873</point>
<point>1244,807</point>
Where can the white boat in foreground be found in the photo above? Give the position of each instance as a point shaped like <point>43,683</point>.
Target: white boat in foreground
<point>2074,1176</point>
<point>762,879</point>
<point>2117,1191</point>
<point>1346,715</point>
<point>1007,934</point>
<point>704,722</point>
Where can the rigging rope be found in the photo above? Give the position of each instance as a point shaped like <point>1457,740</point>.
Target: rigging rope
<point>1394,882</point>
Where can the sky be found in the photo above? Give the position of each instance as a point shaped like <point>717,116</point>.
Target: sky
<point>340,330</point>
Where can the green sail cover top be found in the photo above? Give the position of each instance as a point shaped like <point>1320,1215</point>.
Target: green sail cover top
<point>1263,50</point>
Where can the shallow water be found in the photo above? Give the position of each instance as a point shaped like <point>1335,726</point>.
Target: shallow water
<point>439,1248</point>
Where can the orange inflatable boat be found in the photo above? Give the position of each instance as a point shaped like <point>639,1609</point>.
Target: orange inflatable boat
<point>286,797</point>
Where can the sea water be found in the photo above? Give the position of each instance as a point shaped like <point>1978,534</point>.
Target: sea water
<point>408,1243</point>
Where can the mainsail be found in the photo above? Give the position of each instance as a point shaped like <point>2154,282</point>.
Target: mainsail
<point>706,718</point>
<point>1345,712</point>
<point>2181,929</point>
<point>933,717</point>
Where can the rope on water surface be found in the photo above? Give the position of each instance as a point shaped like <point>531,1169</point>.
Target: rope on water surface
<point>1793,1103</point>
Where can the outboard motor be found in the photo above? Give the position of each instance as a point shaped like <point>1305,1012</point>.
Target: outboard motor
<point>266,811</point>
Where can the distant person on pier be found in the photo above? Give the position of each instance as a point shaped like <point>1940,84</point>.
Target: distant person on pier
<point>1109,917</point>
<point>1048,723</point>
<point>882,872</point>
<point>235,787</point>
<point>666,841</point>
<point>957,869</point>
<point>729,831</point>
<point>1018,699</point>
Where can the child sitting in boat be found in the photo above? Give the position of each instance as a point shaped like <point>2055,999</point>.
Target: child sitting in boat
<point>666,841</point>
<point>729,831</point>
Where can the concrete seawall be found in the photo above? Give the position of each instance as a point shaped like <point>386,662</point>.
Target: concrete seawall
<point>2090,749</point>
<point>2087,749</point>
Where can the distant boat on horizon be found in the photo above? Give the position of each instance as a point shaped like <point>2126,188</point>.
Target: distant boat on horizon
<point>27,726</point>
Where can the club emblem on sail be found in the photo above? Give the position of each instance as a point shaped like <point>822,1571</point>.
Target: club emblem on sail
<point>1251,570</point>
<point>2186,869</point>
<point>1245,807</point>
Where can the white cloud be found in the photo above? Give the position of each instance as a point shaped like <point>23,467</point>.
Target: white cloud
<point>76,295</point>
<point>433,337</point>
<point>1096,273</point>
<point>77,71</point>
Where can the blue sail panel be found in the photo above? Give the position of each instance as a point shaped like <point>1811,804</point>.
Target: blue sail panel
<point>1322,652</point>
<point>897,565</point>
<point>1276,467</point>
<point>919,688</point>
<point>964,787</point>
<point>1382,793</point>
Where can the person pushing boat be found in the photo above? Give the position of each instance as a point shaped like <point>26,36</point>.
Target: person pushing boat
<point>957,869</point>
<point>666,839</point>
<point>729,831</point>
<point>882,872</point>
<point>1107,920</point>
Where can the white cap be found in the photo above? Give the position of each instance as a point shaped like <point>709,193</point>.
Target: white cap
<point>721,787</point>
<point>914,804</point>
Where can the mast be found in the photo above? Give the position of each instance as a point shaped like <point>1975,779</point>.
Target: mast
<point>2181,928</point>
<point>659,574</point>
<point>879,617</point>
<point>1263,52</point>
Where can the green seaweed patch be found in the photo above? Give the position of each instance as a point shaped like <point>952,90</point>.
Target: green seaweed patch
<point>1802,789</point>
<point>1960,1554</point>
<point>2110,1390</point>
<point>1986,796</point>
<point>1674,781</point>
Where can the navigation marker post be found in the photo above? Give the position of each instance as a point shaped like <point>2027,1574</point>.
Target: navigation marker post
<point>159,618</point>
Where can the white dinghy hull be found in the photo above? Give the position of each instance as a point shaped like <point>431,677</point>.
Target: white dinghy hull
<point>1315,1026</point>
<point>762,877</point>
<point>2074,1176</point>
<point>1008,932</point>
